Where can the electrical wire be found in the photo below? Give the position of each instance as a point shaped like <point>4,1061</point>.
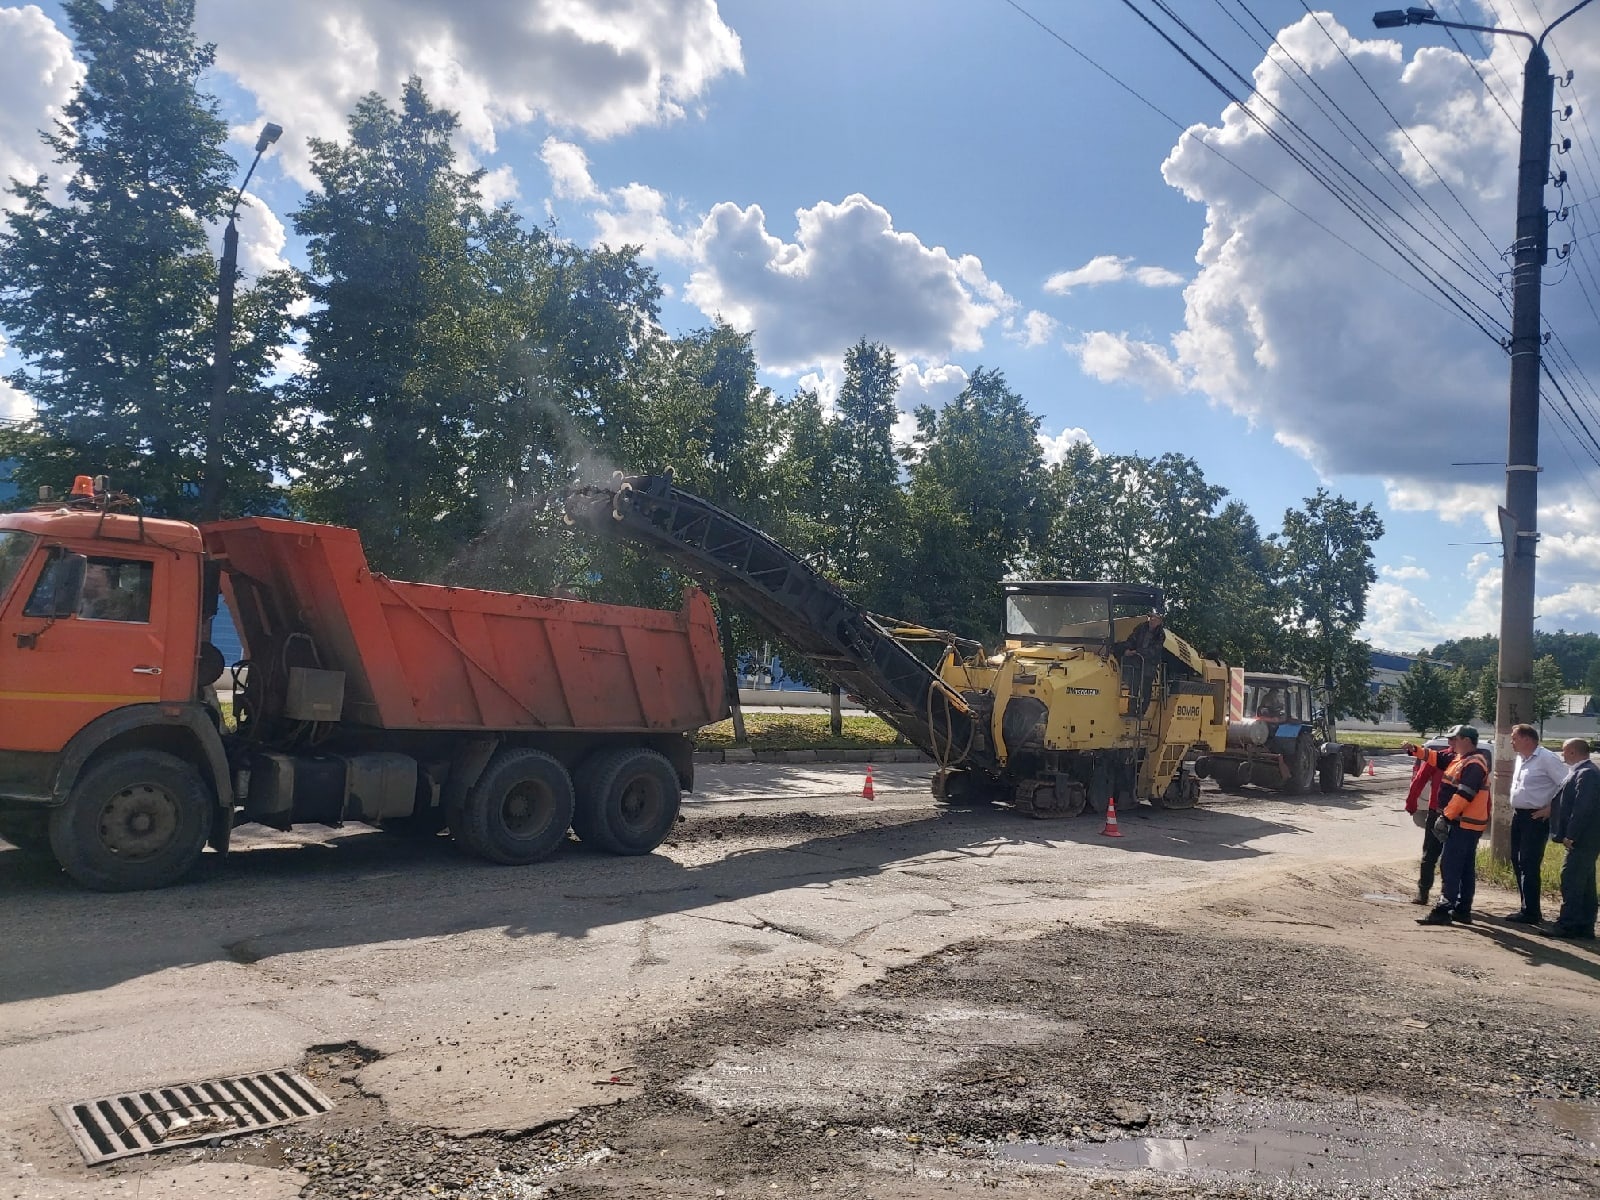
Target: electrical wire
<point>1432,276</point>
<point>1314,147</point>
<point>1187,132</point>
<point>1373,92</point>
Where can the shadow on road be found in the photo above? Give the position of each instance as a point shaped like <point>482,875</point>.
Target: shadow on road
<point>357,888</point>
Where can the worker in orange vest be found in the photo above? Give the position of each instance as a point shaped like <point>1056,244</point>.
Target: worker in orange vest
<point>1465,791</point>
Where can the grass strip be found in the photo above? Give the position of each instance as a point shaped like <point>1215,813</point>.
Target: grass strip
<point>1500,873</point>
<point>800,731</point>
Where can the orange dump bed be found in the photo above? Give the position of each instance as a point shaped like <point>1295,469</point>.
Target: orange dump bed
<point>416,656</point>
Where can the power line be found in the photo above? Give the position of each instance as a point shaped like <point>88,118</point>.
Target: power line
<point>1373,92</point>
<point>1430,275</point>
<point>1262,184</point>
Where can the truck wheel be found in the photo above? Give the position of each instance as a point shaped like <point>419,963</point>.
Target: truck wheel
<point>628,801</point>
<point>1330,774</point>
<point>137,820</point>
<point>519,810</point>
<point>1302,766</point>
<point>28,832</point>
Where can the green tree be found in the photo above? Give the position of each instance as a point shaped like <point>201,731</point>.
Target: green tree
<point>108,295</point>
<point>402,343</point>
<point>868,508</point>
<point>1325,570</point>
<point>973,504</point>
<point>1488,693</point>
<point>1425,699</point>
<point>1548,687</point>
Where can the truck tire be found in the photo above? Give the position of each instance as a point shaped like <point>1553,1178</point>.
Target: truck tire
<point>628,801</point>
<point>519,810</point>
<point>1302,766</point>
<point>27,831</point>
<point>136,820</point>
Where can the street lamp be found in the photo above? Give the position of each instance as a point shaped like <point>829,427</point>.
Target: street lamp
<point>215,484</point>
<point>1519,518</point>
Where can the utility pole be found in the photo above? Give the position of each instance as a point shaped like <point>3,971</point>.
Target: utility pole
<point>215,483</point>
<point>1519,517</point>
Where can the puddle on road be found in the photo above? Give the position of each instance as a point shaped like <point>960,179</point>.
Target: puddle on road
<point>1582,1121</point>
<point>1330,1153</point>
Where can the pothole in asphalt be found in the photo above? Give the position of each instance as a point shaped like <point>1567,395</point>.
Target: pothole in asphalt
<point>1325,1153</point>
<point>1337,1143</point>
<point>858,1063</point>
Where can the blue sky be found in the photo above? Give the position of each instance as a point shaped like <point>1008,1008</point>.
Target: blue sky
<point>950,178</point>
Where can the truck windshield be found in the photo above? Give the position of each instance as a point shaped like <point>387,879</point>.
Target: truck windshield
<point>15,547</point>
<point>1049,618</point>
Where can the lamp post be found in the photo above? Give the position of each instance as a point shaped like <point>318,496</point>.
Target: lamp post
<point>1519,517</point>
<point>215,483</point>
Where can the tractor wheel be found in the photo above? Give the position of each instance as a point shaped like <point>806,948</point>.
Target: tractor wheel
<point>1302,766</point>
<point>1330,774</point>
<point>1227,775</point>
<point>137,820</point>
<point>628,801</point>
<point>519,810</point>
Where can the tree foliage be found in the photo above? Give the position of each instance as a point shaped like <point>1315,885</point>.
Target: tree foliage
<point>108,285</point>
<point>1325,570</point>
<point>1425,698</point>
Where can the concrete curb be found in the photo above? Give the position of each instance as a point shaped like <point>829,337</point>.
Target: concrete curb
<point>742,755</point>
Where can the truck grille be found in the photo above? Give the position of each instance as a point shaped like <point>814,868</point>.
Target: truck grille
<point>139,1122</point>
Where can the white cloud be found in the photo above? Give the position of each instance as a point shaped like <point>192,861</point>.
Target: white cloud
<point>631,215</point>
<point>1110,268</point>
<point>1117,358</point>
<point>14,405</point>
<point>1055,448</point>
<point>1398,620</point>
<point>1402,573</point>
<point>1033,329</point>
<point>597,66</point>
<point>1359,371</point>
<point>848,274</point>
<point>37,77</point>
<point>934,385</point>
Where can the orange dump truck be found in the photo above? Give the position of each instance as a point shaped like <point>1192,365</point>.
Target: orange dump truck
<point>507,719</point>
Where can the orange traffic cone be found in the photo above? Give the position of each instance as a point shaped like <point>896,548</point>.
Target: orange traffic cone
<point>1370,771</point>
<point>866,788</point>
<point>1111,829</point>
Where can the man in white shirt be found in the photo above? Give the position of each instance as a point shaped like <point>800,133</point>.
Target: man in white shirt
<point>1535,782</point>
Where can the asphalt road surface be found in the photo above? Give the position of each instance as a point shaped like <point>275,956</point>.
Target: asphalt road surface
<point>452,1006</point>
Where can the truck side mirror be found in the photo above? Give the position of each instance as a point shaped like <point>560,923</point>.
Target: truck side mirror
<point>68,573</point>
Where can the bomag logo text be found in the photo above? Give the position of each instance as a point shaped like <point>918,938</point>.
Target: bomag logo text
<point>1188,710</point>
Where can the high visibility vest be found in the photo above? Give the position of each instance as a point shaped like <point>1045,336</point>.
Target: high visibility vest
<point>1469,811</point>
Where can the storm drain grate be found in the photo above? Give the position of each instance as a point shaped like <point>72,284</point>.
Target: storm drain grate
<point>139,1122</point>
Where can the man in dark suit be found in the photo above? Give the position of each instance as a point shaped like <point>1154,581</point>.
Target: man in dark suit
<point>1575,823</point>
